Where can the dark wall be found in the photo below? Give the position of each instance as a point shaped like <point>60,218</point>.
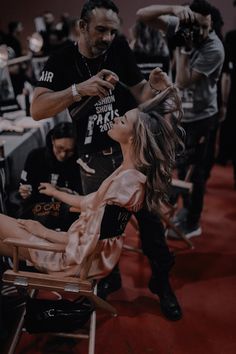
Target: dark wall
<point>26,10</point>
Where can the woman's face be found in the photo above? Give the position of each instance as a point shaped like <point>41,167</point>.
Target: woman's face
<point>122,129</point>
<point>63,148</point>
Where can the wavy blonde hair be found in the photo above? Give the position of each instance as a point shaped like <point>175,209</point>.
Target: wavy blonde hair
<point>157,138</point>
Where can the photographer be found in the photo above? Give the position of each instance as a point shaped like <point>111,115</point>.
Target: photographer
<point>199,59</point>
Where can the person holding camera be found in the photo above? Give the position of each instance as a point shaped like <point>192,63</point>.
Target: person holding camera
<point>199,59</point>
<point>93,78</point>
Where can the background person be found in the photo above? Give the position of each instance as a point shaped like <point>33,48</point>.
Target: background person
<point>227,138</point>
<point>56,164</point>
<point>199,60</point>
<point>150,49</point>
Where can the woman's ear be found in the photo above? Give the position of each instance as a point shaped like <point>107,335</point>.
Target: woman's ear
<point>131,139</point>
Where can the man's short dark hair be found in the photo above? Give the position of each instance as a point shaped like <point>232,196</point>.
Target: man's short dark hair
<point>202,7</point>
<point>89,5</point>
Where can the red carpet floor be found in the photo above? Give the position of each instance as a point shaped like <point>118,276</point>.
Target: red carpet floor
<point>204,281</point>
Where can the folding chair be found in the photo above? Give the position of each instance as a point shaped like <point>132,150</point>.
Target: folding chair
<point>3,178</point>
<point>33,282</point>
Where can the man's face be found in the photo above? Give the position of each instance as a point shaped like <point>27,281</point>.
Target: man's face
<point>204,27</point>
<point>100,31</point>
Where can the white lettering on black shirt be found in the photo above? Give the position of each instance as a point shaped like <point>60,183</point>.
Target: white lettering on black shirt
<point>46,76</point>
<point>105,114</point>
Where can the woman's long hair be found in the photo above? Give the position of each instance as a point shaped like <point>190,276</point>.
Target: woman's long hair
<point>157,139</point>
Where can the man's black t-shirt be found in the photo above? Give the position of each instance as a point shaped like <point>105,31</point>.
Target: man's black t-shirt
<point>67,66</point>
<point>230,66</point>
<point>147,63</point>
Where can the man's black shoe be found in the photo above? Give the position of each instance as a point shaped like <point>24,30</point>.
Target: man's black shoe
<point>108,285</point>
<point>170,306</point>
<point>168,301</point>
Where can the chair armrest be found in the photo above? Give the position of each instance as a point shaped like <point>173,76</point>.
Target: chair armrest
<point>54,247</point>
<point>182,184</point>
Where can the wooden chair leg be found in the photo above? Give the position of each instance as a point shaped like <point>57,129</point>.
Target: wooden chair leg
<point>134,223</point>
<point>102,304</point>
<point>133,249</point>
<point>171,225</point>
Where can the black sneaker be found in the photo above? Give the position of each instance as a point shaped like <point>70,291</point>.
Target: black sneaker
<point>188,230</point>
<point>180,216</point>
<point>169,304</point>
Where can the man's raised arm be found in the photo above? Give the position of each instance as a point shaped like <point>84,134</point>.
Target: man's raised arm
<point>154,15</point>
<point>47,103</point>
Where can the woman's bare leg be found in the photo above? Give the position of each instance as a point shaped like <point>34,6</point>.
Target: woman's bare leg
<point>10,228</point>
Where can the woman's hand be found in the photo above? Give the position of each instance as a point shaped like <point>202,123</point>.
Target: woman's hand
<point>159,80</point>
<point>33,227</point>
<point>47,189</point>
<point>25,191</point>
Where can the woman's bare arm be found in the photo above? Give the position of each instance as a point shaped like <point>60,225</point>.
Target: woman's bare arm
<point>37,229</point>
<point>70,199</point>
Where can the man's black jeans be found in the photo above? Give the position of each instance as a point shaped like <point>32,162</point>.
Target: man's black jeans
<point>196,154</point>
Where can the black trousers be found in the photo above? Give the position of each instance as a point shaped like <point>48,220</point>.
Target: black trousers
<point>197,154</point>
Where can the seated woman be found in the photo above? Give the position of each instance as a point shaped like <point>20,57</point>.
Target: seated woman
<point>148,141</point>
<point>54,163</point>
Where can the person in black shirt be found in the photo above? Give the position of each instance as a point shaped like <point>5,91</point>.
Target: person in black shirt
<point>227,138</point>
<point>76,77</point>
<point>56,164</point>
<point>12,39</point>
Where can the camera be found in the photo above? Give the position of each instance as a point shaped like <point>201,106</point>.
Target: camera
<point>187,34</point>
